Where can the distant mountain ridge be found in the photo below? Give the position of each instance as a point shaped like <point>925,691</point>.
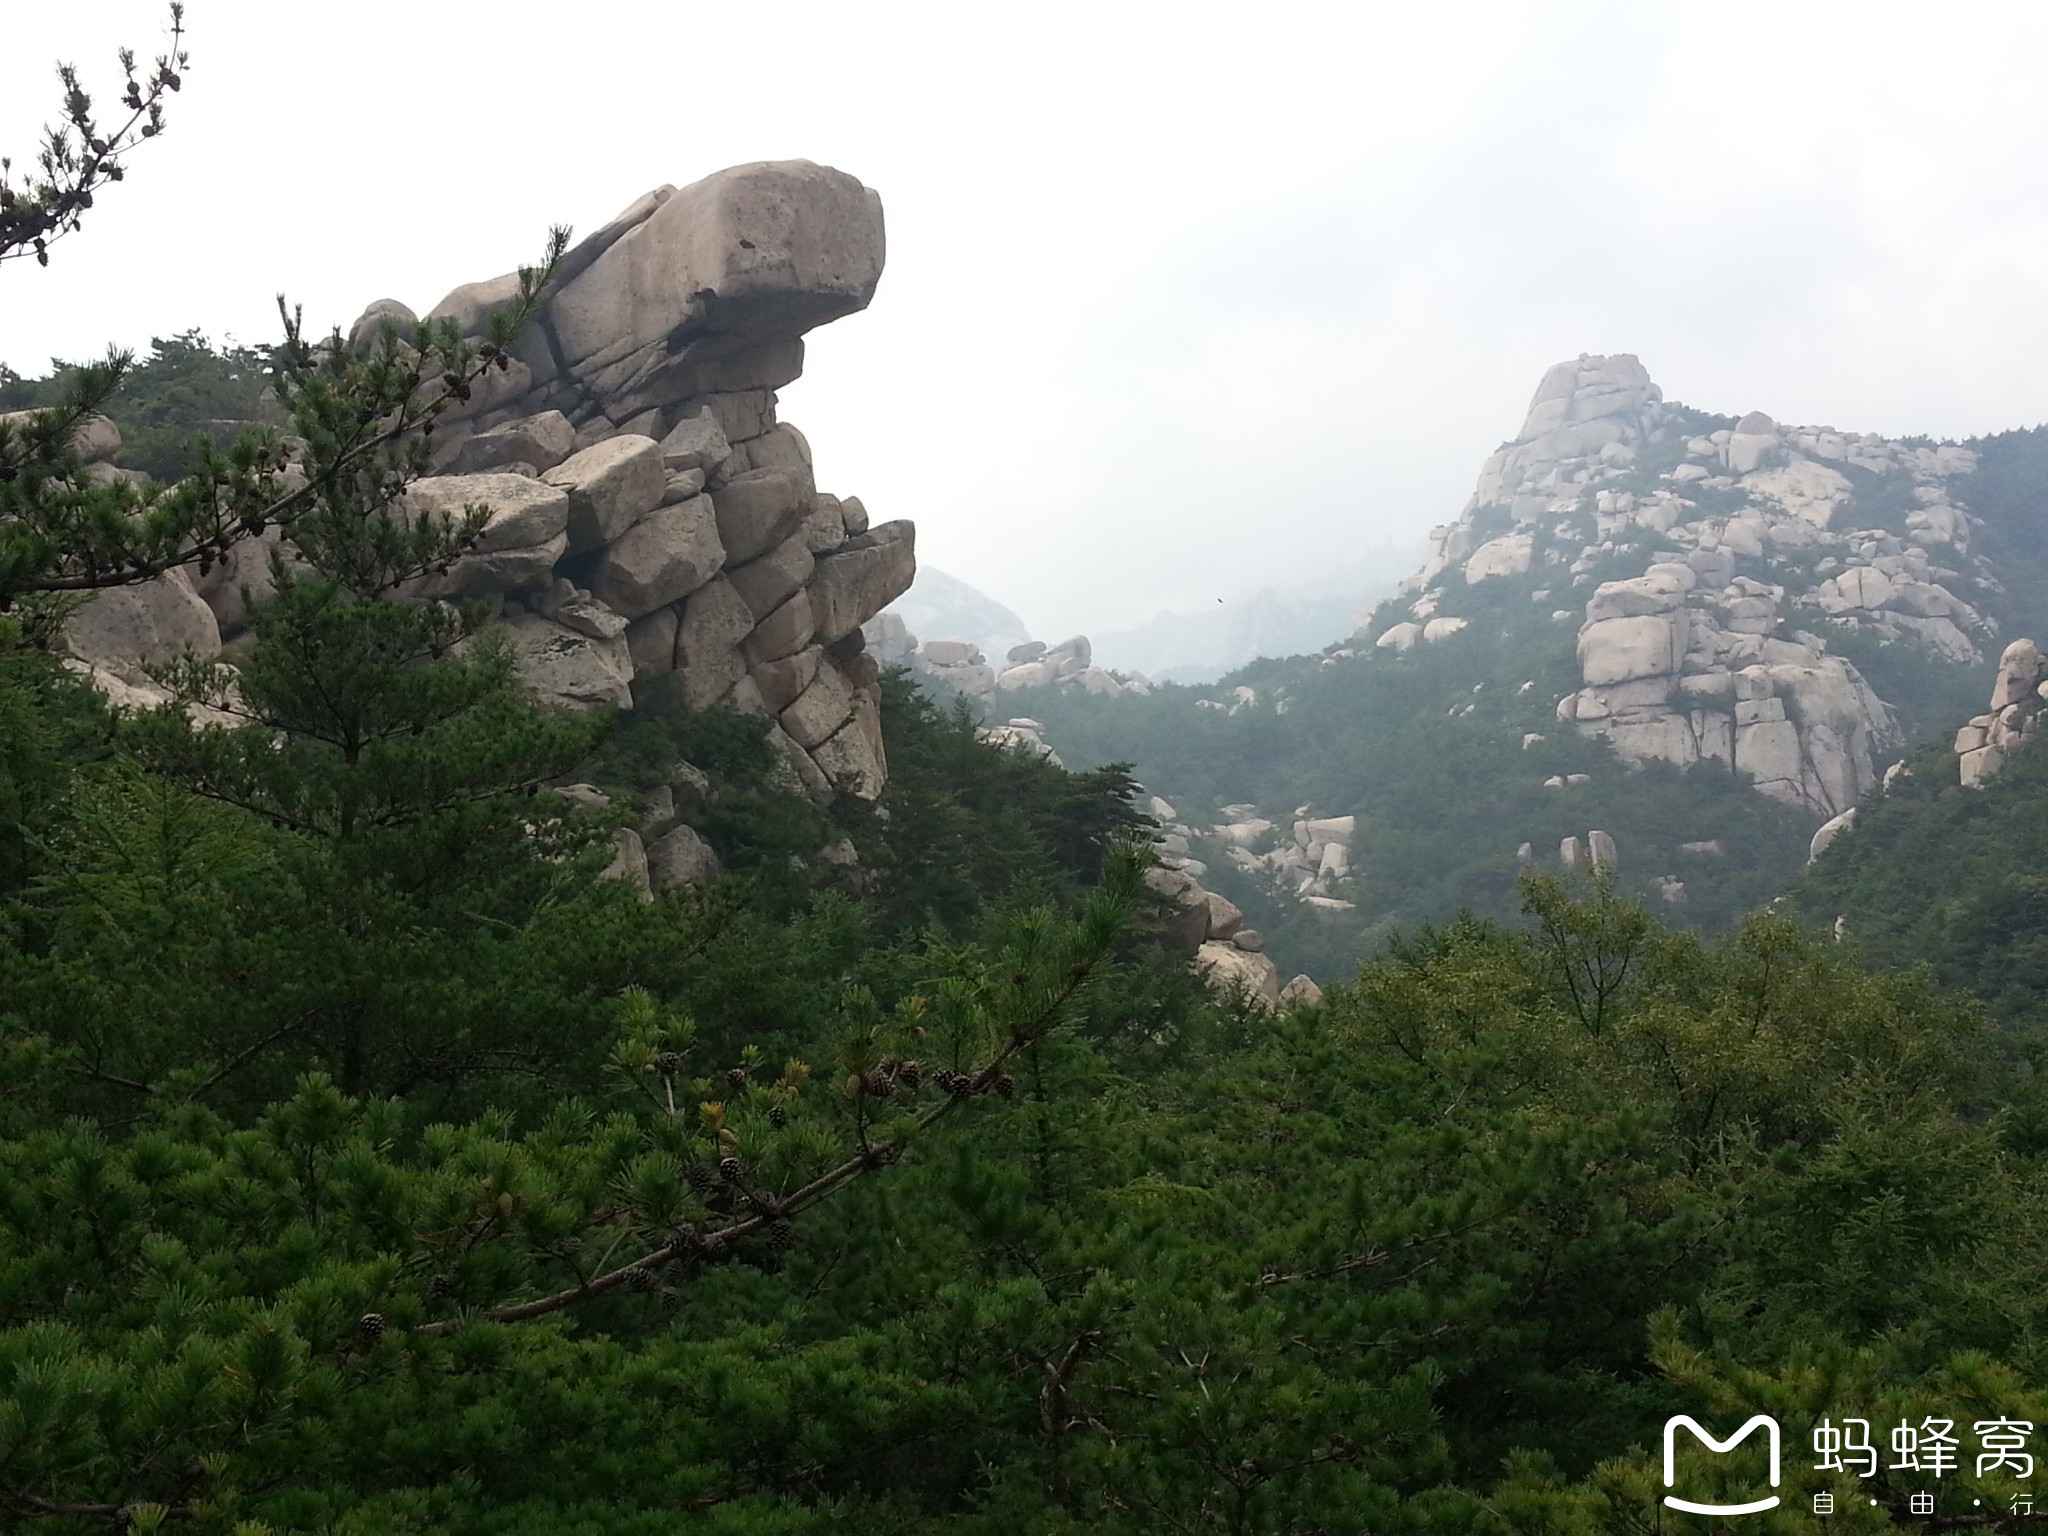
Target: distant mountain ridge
<point>940,606</point>
<point>1200,646</point>
<point>1194,646</point>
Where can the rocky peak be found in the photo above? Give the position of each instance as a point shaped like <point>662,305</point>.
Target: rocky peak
<point>1708,565</point>
<point>1588,390</point>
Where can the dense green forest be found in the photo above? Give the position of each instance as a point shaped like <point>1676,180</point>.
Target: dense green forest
<point>370,1163</point>
<point>1436,772</point>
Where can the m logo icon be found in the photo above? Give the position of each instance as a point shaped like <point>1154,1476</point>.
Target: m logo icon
<point>1671,1426</point>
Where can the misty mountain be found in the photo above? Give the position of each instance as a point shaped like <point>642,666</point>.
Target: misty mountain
<point>1200,646</point>
<point>943,607</point>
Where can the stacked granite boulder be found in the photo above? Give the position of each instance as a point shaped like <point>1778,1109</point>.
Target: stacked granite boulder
<point>2018,697</point>
<point>648,512</point>
<point>963,666</point>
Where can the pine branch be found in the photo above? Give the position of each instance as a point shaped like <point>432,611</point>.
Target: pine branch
<point>78,158</point>
<point>1113,907</point>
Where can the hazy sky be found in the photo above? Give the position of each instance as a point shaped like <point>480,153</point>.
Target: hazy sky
<point>1180,298</point>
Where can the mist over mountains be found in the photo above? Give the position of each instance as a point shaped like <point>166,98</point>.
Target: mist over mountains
<point>1193,644</point>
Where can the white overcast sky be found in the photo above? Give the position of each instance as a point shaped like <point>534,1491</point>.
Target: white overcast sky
<point>1181,298</point>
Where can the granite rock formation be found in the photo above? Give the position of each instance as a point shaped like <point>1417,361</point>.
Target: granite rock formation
<point>1711,564</point>
<point>2017,698</point>
<point>649,512</point>
<point>962,666</point>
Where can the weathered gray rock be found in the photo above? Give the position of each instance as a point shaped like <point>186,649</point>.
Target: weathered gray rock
<point>665,556</point>
<point>737,266</point>
<point>634,436</point>
<point>1301,992</point>
<point>1227,968</point>
<point>560,665</point>
<point>1620,649</point>
<point>850,760</point>
<point>472,305</point>
<point>682,485</point>
<point>1225,917</point>
<point>757,510</point>
<point>782,446</point>
<point>768,582</point>
<point>1187,923</point>
<point>697,443</point>
<point>584,797</point>
<point>524,535</point>
<point>368,331</point>
<point>1588,389</point>
<point>522,513</point>
<point>148,622</point>
<point>822,710</point>
<point>781,682</point>
<point>657,810</point>
<point>784,632</point>
<point>540,442</point>
<point>952,653</point>
<point>612,486</point>
<point>651,639</point>
<point>824,527</point>
<point>680,856</point>
<point>861,578</point>
<point>242,579</point>
<point>629,863</point>
<point>1830,829</point>
<point>708,659</point>
<point>1508,555</point>
<point>2020,670</point>
<point>807,777</point>
<point>1754,436</point>
<point>1029,674</point>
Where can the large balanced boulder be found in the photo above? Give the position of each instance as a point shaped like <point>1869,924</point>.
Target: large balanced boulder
<point>708,278</point>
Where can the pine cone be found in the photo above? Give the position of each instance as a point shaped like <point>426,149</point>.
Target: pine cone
<point>731,1169</point>
<point>1005,1086</point>
<point>640,1280</point>
<point>781,1234</point>
<point>877,1084</point>
<point>668,1063</point>
<point>698,1177</point>
<point>736,1079</point>
<point>440,1288</point>
<point>778,1116</point>
<point>371,1326</point>
<point>910,1075</point>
